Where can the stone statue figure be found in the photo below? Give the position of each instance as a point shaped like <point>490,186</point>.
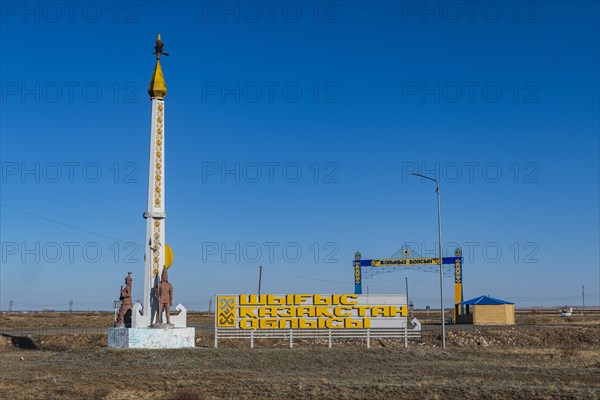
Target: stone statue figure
<point>164,293</point>
<point>124,316</point>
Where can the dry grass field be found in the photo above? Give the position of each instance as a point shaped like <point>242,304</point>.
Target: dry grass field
<point>56,319</point>
<point>542,358</point>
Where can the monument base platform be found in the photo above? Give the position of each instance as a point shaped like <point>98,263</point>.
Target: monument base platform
<point>151,338</point>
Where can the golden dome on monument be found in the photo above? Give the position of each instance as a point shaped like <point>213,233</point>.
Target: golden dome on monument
<point>158,87</point>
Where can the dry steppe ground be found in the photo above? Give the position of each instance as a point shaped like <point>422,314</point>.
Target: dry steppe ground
<point>542,357</point>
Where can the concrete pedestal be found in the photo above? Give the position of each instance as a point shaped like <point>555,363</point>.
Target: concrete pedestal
<point>151,338</point>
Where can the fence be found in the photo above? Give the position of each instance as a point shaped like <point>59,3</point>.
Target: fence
<point>329,334</point>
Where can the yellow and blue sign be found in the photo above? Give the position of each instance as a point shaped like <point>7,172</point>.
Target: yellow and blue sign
<point>399,262</point>
<point>457,262</point>
<point>310,311</point>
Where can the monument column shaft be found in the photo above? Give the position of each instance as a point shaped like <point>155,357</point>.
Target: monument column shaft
<point>144,332</point>
<point>155,222</point>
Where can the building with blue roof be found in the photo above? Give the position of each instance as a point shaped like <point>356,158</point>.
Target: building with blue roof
<point>487,310</point>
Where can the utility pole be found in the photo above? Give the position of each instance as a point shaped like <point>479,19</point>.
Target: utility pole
<point>259,278</point>
<point>439,212</point>
<point>583,299</point>
<point>407,302</point>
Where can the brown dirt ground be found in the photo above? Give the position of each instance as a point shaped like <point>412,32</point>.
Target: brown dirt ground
<point>301,373</point>
<point>533,361</point>
<point>57,319</point>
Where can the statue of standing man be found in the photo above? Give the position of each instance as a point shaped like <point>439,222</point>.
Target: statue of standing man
<point>164,293</point>
<point>124,316</point>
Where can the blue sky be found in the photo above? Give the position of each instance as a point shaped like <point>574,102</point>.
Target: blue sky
<point>291,131</point>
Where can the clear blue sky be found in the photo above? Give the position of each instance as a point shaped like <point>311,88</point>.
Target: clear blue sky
<point>499,101</point>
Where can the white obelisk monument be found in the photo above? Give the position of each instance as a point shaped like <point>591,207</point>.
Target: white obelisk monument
<point>155,216</point>
<point>144,333</point>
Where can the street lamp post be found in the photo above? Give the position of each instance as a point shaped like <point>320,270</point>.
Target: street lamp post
<point>440,253</point>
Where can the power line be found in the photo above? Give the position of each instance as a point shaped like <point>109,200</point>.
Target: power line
<point>203,259</point>
<point>63,224</point>
<point>583,298</point>
<point>304,277</point>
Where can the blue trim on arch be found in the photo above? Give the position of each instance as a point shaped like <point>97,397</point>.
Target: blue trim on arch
<point>369,263</point>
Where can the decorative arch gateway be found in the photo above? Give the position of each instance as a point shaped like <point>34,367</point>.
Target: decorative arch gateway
<point>452,266</point>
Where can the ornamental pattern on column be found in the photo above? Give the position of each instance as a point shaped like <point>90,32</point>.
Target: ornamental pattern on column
<point>158,187</point>
<point>159,153</point>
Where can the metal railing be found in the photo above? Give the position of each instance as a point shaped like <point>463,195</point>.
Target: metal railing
<point>329,334</point>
